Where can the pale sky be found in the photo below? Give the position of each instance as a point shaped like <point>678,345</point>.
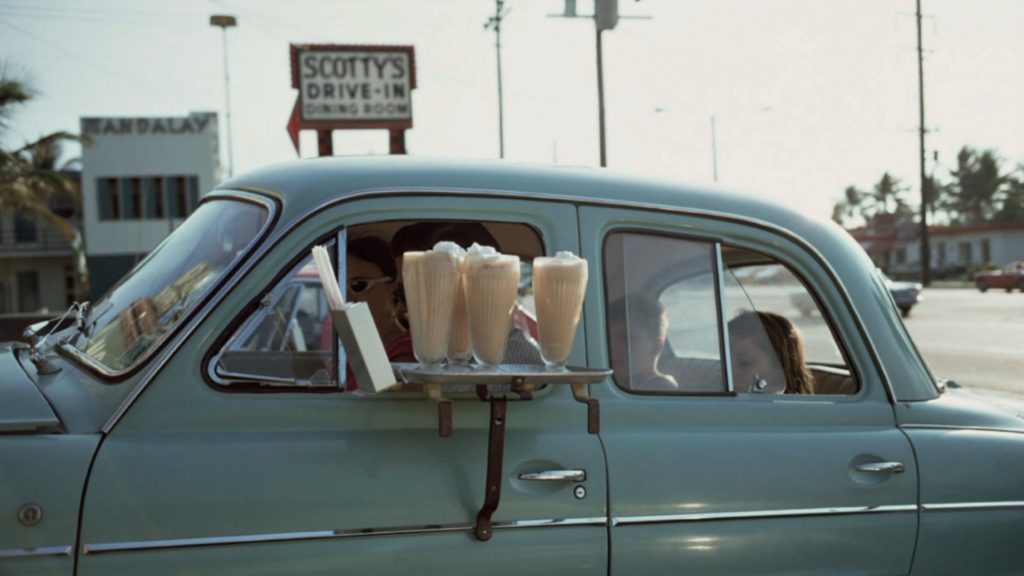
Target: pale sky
<point>809,96</point>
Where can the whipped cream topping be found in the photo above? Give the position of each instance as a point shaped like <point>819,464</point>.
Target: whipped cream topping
<point>483,251</point>
<point>452,249</point>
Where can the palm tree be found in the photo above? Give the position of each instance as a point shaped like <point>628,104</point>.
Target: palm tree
<point>889,188</point>
<point>936,195</point>
<point>849,206</point>
<point>32,177</point>
<point>1012,208</point>
<point>977,182</point>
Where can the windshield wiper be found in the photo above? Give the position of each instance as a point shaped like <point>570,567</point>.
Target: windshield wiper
<point>88,316</point>
<point>81,316</point>
<point>37,340</point>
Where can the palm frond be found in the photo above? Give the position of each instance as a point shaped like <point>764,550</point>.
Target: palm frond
<point>13,92</point>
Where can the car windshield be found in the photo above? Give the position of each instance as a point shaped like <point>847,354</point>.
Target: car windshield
<point>153,297</point>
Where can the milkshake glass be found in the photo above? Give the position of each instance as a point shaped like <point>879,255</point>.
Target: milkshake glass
<point>430,282</point>
<point>492,284</point>
<point>559,284</point>
<point>459,349</point>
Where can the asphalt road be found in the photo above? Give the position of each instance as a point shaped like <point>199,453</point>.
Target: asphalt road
<point>974,339</point>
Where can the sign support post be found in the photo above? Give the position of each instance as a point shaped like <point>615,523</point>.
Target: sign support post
<point>397,137</point>
<point>325,142</point>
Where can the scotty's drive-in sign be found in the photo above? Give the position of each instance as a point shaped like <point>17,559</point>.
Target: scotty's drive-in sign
<point>354,84</point>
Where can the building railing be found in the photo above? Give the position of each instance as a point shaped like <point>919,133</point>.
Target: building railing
<point>43,240</point>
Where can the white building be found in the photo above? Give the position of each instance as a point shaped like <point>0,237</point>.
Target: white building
<point>140,178</point>
<point>955,250</point>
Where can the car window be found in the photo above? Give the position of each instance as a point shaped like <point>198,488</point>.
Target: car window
<point>152,299</point>
<point>757,285</point>
<point>287,340</point>
<point>663,321</point>
<point>670,318</point>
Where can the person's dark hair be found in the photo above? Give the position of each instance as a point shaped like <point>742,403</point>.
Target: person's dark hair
<point>376,251</point>
<point>423,236</point>
<point>786,343</point>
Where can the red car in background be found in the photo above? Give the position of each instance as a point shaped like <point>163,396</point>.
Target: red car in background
<point>1009,277</point>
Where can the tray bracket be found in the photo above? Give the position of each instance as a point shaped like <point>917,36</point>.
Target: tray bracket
<point>490,386</point>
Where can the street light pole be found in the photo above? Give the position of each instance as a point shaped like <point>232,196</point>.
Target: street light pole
<point>224,21</point>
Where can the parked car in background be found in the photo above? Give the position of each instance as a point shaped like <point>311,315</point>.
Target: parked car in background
<point>1007,278</point>
<point>905,295</point>
<point>197,418</point>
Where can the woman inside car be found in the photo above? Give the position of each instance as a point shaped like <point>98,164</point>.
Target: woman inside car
<point>768,355</point>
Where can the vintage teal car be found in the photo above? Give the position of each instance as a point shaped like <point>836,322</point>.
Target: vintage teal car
<point>199,419</point>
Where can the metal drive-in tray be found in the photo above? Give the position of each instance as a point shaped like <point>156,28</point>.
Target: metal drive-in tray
<point>519,380</point>
<point>509,381</point>
<point>509,374</point>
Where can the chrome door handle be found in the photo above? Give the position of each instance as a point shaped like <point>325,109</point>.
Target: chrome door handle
<point>891,467</point>
<point>555,476</point>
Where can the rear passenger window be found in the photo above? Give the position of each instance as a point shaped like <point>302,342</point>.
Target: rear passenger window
<point>690,316</point>
<point>757,284</point>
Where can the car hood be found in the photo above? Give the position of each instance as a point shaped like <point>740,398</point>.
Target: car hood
<point>22,406</point>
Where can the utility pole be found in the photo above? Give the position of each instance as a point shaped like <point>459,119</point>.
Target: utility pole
<point>495,22</point>
<point>606,16</point>
<point>600,100</point>
<point>224,21</point>
<point>925,248</point>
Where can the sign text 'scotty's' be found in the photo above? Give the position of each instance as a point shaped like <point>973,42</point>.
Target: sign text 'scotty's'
<point>340,85</point>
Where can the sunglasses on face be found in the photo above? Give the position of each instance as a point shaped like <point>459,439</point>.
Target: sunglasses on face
<point>359,285</point>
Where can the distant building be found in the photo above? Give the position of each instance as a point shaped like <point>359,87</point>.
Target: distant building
<point>141,177</point>
<point>955,250</point>
<point>36,260</point>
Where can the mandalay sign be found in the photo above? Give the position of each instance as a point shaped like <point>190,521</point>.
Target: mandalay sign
<point>195,123</point>
<point>352,86</point>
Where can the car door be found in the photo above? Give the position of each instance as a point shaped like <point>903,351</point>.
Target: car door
<point>711,476</point>
<point>210,473</point>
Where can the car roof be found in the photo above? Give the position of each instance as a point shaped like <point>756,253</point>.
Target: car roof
<point>304,184</point>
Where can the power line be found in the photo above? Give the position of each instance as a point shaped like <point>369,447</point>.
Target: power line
<point>90,19</point>
<point>133,15</point>
<point>149,89</point>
